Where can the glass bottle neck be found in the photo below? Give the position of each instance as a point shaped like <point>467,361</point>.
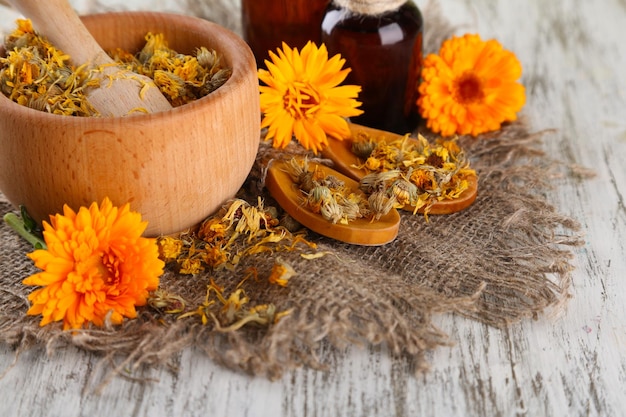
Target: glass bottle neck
<point>370,7</point>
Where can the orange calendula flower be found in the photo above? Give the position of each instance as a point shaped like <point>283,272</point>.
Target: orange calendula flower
<point>96,265</point>
<point>470,87</point>
<point>303,97</point>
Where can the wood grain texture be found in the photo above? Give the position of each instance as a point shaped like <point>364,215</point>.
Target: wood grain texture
<point>572,365</point>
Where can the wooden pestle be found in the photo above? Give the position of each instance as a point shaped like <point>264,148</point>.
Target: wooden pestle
<point>119,91</point>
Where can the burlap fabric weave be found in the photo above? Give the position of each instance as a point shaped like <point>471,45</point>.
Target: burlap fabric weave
<point>505,258</point>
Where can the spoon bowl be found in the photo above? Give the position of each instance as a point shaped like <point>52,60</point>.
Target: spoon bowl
<point>362,231</point>
<point>346,162</point>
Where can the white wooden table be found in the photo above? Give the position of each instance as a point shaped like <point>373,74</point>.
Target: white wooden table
<point>574,57</point>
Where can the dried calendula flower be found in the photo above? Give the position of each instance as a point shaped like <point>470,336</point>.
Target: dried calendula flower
<point>166,301</point>
<point>212,230</point>
<point>377,181</point>
<point>403,191</point>
<point>281,273</point>
<point>363,148</point>
<point>333,212</point>
<point>381,204</point>
<point>190,266</point>
<point>353,206</point>
<point>169,248</point>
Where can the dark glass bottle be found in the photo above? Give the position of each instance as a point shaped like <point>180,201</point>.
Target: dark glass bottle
<point>266,24</point>
<point>385,54</point>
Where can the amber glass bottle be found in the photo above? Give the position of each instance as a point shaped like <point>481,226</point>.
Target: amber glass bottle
<point>266,24</point>
<point>384,50</point>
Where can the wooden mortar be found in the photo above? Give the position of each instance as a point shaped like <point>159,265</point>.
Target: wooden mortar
<point>174,167</point>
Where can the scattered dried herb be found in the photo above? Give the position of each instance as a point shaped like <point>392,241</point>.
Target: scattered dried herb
<point>222,240</point>
<point>238,230</point>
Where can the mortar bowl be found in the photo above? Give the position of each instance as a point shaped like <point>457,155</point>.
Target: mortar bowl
<point>174,167</point>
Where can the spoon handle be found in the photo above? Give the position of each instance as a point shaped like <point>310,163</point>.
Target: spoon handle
<point>61,25</point>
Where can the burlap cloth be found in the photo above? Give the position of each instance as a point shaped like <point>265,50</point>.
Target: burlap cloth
<point>504,259</point>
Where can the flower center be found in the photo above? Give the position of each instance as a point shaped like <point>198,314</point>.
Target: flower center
<point>469,89</point>
<point>435,160</point>
<point>112,265</point>
<point>301,100</point>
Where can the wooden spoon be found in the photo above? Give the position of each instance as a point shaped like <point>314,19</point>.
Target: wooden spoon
<point>119,91</point>
<point>346,162</point>
<point>360,232</point>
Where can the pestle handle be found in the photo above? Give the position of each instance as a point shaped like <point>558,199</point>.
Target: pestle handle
<point>56,20</point>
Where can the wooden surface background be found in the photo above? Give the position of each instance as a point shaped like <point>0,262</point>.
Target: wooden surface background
<point>574,58</point>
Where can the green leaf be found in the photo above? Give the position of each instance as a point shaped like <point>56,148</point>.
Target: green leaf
<point>29,223</point>
<point>19,225</point>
